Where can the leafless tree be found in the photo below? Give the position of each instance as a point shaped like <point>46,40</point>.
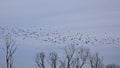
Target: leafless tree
<point>53,58</point>
<point>10,49</point>
<point>40,60</point>
<point>96,61</point>
<point>112,66</point>
<point>69,52</point>
<point>81,57</point>
<point>62,64</point>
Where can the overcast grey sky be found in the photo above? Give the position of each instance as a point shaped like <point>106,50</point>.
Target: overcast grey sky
<point>61,13</point>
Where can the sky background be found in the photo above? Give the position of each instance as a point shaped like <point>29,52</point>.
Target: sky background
<point>61,13</point>
<point>74,15</point>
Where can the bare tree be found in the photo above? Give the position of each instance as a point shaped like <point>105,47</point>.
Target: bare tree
<point>10,50</point>
<point>69,52</point>
<point>62,64</point>
<point>112,66</point>
<point>96,61</point>
<point>53,58</point>
<point>81,57</point>
<point>40,60</point>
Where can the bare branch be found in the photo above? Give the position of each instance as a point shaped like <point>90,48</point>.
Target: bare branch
<point>10,50</point>
<point>69,52</point>
<point>40,60</point>
<point>53,58</point>
<point>96,61</point>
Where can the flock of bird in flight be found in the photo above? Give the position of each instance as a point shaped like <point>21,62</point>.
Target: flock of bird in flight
<point>56,37</point>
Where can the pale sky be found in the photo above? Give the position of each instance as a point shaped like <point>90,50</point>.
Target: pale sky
<point>61,13</point>
<point>80,15</point>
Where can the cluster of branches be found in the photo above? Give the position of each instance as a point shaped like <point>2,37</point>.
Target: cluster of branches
<point>112,66</point>
<point>9,50</point>
<point>74,58</point>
